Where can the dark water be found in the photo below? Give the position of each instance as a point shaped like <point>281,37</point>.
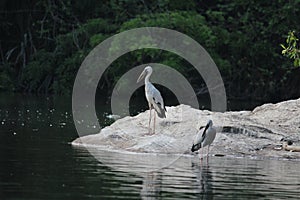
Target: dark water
<point>37,162</point>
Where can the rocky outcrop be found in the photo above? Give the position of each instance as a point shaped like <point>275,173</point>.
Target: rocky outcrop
<point>257,133</point>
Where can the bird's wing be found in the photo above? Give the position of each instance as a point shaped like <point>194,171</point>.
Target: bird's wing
<point>201,135</point>
<point>158,102</point>
<point>197,144</point>
<point>204,133</point>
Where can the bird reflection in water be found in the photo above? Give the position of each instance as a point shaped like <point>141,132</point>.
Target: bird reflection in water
<point>152,184</point>
<point>204,180</point>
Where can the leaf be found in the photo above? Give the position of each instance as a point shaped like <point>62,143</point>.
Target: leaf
<point>282,46</point>
<point>283,51</point>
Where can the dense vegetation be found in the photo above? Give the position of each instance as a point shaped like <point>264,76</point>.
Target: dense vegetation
<point>44,42</point>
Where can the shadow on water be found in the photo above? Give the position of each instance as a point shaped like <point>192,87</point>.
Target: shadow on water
<point>37,162</point>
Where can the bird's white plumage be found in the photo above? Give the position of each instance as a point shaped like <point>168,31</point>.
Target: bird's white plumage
<point>154,98</point>
<point>153,95</point>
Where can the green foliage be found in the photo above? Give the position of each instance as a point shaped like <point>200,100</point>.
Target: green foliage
<point>248,37</point>
<point>94,26</point>
<point>6,78</point>
<point>55,70</point>
<point>42,51</point>
<point>38,73</point>
<point>292,50</point>
<point>190,23</point>
<point>65,74</point>
<point>97,39</point>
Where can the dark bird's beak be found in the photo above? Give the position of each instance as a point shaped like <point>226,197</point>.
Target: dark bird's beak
<point>141,76</point>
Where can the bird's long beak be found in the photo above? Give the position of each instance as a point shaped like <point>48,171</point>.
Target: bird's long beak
<point>141,76</point>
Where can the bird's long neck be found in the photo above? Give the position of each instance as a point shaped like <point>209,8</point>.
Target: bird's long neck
<point>147,79</point>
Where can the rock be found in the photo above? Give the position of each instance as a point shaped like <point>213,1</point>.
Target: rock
<point>293,148</point>
<point>257,133</point>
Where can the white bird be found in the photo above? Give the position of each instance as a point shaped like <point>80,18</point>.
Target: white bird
<point>205,137</point>
<point>153,97</point>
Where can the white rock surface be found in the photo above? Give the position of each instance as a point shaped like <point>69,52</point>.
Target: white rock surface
<point>257,133</point>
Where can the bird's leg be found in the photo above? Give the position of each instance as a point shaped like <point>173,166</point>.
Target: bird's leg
<point>200,156</point>
<point>154,123</point>
<point>149,129</point>
<point>207,150</point>
<point>200,153</point>
<point>207,153</point>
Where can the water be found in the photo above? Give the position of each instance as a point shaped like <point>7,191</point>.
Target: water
<point>37,162</point>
